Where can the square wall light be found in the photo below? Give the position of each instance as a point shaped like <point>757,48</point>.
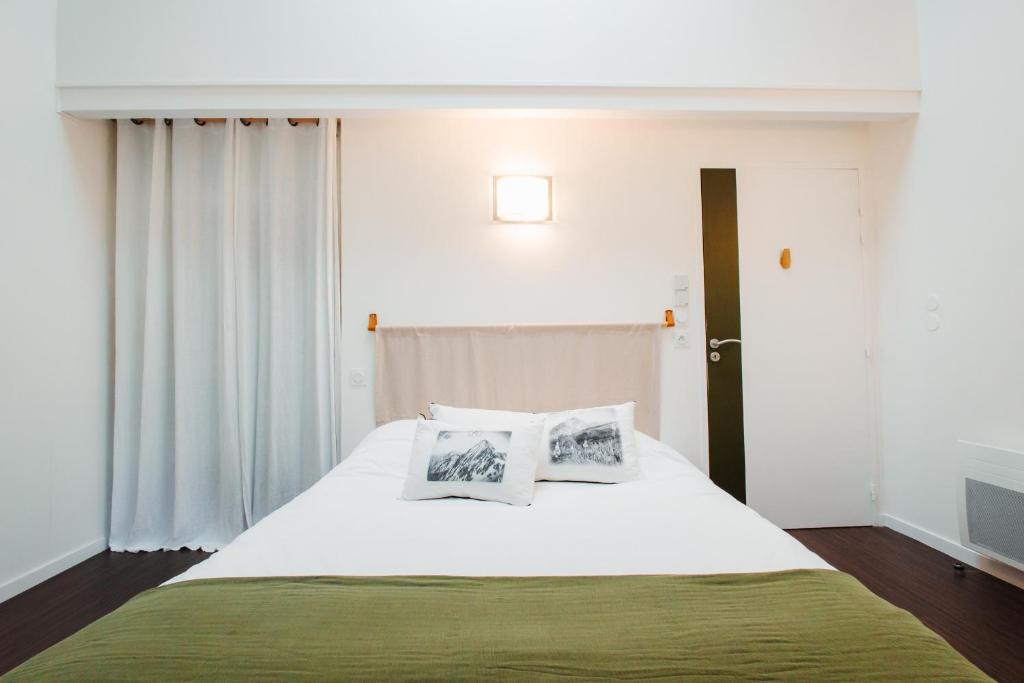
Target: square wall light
<point>522,198</point>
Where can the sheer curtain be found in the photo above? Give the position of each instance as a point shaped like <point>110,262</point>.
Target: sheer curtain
<point>227,326</point>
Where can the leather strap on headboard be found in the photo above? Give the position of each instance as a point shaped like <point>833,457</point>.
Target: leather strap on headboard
<point>533,368</point>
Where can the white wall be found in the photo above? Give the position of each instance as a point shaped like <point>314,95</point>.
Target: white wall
<point>796,58</point>
<point>419,246</point>
<point>710,43</point>
<point>949,218</point>
<point>56,190</point>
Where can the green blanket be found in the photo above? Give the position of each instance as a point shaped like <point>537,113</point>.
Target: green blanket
<point>807,624</point>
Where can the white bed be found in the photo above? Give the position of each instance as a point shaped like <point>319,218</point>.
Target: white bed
<point>814,625</point>
<point>353,522</point>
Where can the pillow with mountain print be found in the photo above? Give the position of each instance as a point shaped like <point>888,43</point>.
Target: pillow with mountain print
<point>497,464</point>
<point>591,444</point>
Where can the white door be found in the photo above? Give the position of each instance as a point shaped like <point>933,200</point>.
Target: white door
<point>808,448</point>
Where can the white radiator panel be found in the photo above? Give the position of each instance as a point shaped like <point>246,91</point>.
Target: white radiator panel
<point>990,498</point>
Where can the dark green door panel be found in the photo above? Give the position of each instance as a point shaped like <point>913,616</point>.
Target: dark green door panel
<point>722,321</point>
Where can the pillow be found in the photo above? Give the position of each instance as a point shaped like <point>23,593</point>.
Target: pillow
<point>574,447</point>
<point>495,463</point>
<point>590,444</point>
<point>477,417</point>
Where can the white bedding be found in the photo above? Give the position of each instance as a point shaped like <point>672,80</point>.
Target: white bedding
<point>353,522</point>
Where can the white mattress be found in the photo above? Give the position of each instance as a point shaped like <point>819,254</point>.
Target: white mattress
<point>353,522</point>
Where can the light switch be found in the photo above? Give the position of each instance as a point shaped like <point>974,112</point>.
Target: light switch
<point>683,316</point>
<point>682,298</point>
<point>682,282</point>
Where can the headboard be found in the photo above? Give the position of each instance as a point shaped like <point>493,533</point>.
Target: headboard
<point>534,368</point>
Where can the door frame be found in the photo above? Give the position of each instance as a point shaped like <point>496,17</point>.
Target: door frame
<point>869,291</point>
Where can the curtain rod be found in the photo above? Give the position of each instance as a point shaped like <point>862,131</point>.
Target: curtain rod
<point>669,321</point>
<point>247,121</point>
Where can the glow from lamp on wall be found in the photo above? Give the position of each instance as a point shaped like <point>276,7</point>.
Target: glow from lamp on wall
<point>522,199</point>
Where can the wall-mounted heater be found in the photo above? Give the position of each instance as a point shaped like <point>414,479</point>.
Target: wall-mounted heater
<point>990,495</point>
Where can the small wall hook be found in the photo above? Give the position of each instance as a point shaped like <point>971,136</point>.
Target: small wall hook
<point>785,259</point>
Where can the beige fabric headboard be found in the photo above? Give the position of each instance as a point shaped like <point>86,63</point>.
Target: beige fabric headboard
<point>534,368</point>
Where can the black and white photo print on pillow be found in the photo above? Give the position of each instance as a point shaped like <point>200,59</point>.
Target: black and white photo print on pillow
<point>592,438</point>
<point>469,456</point>
<point>590,444</point>
<point>497,463</point>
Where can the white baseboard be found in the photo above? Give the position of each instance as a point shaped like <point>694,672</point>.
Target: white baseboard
<point>46,570</point>
<point>954,549</point>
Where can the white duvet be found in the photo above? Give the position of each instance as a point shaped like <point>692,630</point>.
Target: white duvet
<point>353,522</point>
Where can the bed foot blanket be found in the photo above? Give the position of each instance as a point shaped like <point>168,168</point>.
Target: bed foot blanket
<point>802,624</point>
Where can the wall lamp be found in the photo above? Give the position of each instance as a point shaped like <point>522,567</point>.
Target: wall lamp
<point>522,199</point>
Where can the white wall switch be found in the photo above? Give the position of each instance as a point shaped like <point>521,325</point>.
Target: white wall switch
<point>682,298</point>
<point>357,378</point>
<point>682,282</point>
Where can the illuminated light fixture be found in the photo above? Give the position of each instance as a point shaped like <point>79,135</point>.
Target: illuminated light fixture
<point>522,198</point>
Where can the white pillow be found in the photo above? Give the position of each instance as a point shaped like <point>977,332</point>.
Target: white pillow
<point>478,417</point>
<point>590,444</point>
<point>611,459</point>
<point>486,463</point>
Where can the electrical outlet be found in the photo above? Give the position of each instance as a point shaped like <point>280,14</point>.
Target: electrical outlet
<point>357,378</point>
<point>681,339</point>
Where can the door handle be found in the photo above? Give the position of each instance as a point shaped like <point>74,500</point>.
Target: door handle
<point>715,343</point>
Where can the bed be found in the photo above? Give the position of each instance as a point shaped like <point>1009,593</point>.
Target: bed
<point>663,577</point>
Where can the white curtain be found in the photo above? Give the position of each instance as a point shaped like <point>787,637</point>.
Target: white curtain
<point>227,326</point>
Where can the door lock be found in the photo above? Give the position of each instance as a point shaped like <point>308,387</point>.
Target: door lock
<point>715,356</point>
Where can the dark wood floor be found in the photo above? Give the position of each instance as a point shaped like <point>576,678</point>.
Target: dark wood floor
<point>979,615</point>
<point>53,610</point>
